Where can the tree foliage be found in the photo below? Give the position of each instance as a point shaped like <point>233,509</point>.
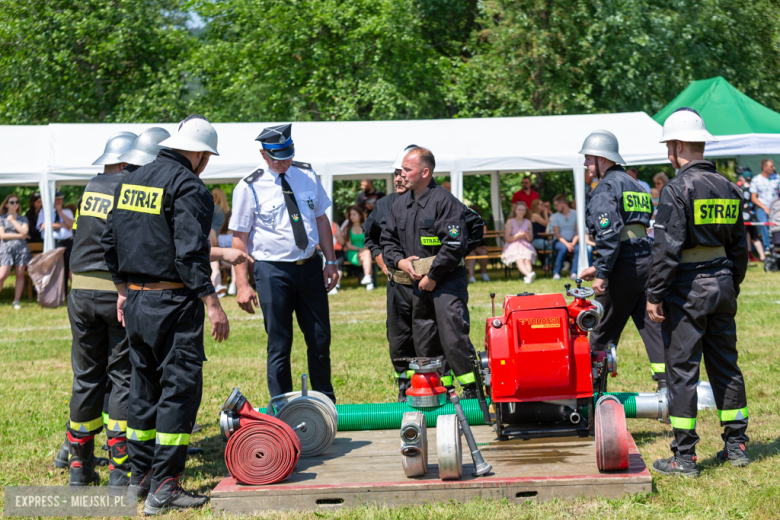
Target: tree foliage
<point>91,60</point>
<point>317,60</point>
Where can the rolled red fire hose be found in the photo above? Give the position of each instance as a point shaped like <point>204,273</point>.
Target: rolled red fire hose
<point>263,451</point>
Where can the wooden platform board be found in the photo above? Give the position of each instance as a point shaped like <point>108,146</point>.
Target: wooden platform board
<point>365,468</point>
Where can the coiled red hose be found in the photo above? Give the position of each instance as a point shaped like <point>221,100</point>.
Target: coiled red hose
<point>263,451</point>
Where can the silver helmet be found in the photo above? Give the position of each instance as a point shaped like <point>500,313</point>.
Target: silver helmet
<point>146,147</point>
<point>116,145</point>
<point>602,143</point>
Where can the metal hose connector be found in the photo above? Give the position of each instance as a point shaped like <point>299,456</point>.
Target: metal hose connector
<point>314,409</point>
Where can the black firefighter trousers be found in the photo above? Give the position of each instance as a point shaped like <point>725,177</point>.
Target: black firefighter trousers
<point>441,325</point>
<point>399,327</point>
<point>699,310</point>
<point>625,298</point>
<point>165,331</point>
<point>101,365</point>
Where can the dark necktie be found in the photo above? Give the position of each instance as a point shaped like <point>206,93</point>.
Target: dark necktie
<point>299,232</point>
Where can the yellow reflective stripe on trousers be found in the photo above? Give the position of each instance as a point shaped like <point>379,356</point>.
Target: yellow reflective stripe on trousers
<point>140,435</point>
<point>173,439</point>
<point>120,460</point>
<point>733,415</point>
<point>683,423</point>
<point>446,381</point>
<point>105,418</point>
<point>94,424</point>
<point>466,379</point>
<point>116,426</point>
<point>404,375</point>
<point>657,368</point>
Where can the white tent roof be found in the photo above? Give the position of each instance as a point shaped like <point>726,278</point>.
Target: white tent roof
<point>350,148</point>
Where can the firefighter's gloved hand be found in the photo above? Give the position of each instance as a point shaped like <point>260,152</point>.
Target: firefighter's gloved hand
<point>406,266</point>
<point>426,284</point>
<point>588,274</point>
<point>655,312</point>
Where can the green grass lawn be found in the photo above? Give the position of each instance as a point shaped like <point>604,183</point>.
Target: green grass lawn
<point>36,382</point>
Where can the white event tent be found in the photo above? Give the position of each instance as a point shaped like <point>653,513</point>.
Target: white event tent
<point>61,154</point>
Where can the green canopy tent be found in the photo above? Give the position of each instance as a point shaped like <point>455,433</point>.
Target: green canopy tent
<point>745,128</point>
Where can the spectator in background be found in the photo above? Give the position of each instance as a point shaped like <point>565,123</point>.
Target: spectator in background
<point>221,209</point>
<point>634,174</point>
<point>659,181</point>
<point>222,238</point>
<point>525,194</point>
<point>446,185</point>
<point>13,248</point>
<point>518,235</point>
<point>564,224</point>
<point>540,219</point>
<point>356,252</point>
<point>225,241</point>
<point>368,196</point>
<point>480,250</point>
<point>338,248</point>
<point>61,225</point>
<point>32,216</point>
<point>763,192</point>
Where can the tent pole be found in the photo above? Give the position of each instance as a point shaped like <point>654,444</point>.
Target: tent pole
<point>456,184</point>
<point>495,201</point>
<point>327,183</point>
<point>47,189</point>
<point>579,196</point>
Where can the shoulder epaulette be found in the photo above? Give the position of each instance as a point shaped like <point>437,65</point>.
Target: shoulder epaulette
<point>302,165</point>
<point>252,177</point>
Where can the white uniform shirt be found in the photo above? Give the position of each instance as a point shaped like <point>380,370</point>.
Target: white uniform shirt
<point>259,209</point>
<point>58,234</point>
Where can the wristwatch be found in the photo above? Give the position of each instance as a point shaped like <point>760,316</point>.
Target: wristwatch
<point>331,262</point>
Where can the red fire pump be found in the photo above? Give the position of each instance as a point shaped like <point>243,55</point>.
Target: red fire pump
<point>541,376</point>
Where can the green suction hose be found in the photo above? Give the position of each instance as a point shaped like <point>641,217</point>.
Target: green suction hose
<point>628,399</point>
<point>387,416</point>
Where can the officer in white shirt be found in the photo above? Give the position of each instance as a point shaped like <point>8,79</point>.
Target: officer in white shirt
<point>279,218</point>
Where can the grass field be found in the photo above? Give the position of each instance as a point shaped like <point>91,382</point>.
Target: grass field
<point>36,382</point>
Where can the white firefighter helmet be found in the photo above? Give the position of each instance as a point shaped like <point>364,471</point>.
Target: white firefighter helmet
<point>602,143</point>
<point>195,134</point>
<point>146,147</point>
<point>399,159</point>
<point>685,124</point>
<point>116,145</point>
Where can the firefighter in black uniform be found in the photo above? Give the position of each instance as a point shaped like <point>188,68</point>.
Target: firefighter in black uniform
<point>99,355</point>
<point>399,285</point>
<point>157,250</point>
<point>425,237</point>
<point>699,259</point>
<point>618,216</point>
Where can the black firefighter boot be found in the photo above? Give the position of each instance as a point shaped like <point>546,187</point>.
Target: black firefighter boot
<point>81,464</point>
<point>677,464</point>
<point>734,453</point>
<point>403,385</point>
<point>61,459</point>
<point>119,466</point>
<point>170,496</point>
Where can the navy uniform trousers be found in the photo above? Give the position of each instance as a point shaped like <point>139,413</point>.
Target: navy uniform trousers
<point>284,288</point>
<point>165,331</point>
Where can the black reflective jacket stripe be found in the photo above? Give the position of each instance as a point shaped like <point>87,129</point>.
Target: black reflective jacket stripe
<point>607,214</point>
<point>676,227</point>
<point>159,227</point>
<point>438,217</point>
